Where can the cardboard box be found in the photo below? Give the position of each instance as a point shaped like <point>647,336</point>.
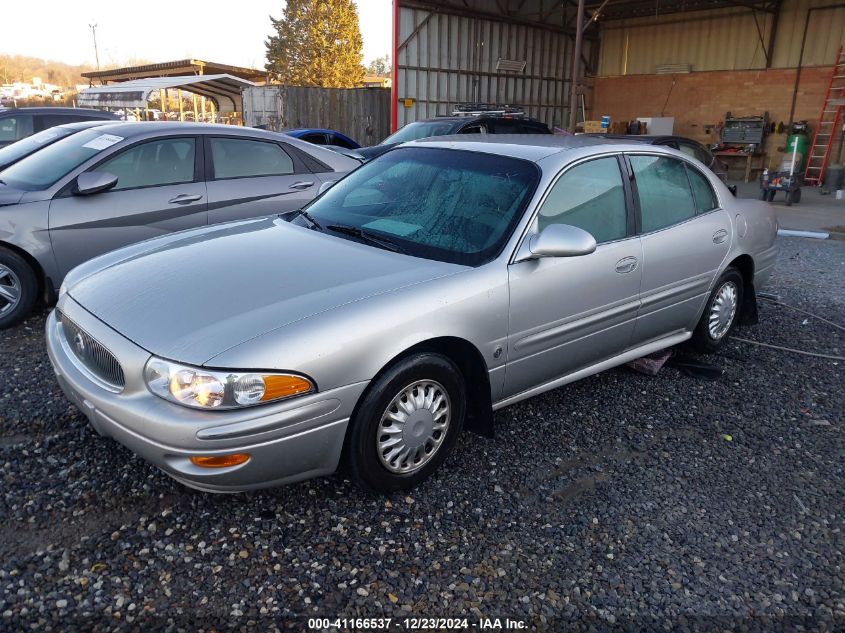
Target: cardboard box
<point>593,127</point>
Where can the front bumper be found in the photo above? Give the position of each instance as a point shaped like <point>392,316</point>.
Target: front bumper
<point>288,441</point>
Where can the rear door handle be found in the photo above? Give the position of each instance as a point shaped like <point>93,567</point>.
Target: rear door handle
<point>720,236</point>
<point>302,184</point>
<point>184,198</point>
<point>626,265</point>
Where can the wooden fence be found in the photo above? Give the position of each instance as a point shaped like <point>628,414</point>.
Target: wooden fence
<point>361,113</point>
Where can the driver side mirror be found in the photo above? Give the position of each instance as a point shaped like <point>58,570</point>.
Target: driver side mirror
<point>94,182</point>
<point>325,186</point>
<point>562,240</point>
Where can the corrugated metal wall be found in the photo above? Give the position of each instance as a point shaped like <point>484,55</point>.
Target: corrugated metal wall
<point>361,113</point>
<point>445,59</point>
<point>826,33</point>
<point>720,39</point>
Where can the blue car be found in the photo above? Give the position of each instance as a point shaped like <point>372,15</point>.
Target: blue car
<point>319,136</point>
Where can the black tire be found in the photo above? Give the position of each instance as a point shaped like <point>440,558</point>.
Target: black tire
<point>361,453</point>
<point>796,196</point>
<point>771,195</point>
<point>702,339</point>
<point>764,194</point>
<point>18,278</point>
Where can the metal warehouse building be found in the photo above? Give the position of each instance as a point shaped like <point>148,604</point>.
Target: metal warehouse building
<point>693,60</point>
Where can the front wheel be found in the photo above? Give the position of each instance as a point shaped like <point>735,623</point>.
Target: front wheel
<point>18,288</point>
<point>407,423</point>
<point>720,313</point>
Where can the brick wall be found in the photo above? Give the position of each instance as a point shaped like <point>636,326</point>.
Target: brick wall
<point>701,99</point>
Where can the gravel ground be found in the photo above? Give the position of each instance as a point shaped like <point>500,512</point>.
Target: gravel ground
<point>616,502</point>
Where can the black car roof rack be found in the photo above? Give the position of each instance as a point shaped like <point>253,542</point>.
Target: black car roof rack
<point>476,109</point>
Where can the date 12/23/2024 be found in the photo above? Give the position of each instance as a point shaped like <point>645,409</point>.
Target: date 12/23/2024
<point>416,624</point>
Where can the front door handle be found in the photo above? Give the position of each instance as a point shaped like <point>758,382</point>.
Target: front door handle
<point>302,184</point>
<point>184,198</point>
<point>626,265</point>
<point>720,236</point>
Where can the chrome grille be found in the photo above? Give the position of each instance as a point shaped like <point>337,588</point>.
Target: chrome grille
<point>91,353</point>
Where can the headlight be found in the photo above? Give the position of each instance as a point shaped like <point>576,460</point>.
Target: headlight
<point>208,389</point>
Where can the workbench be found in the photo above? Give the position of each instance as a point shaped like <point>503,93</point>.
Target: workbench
<point>749,158</point>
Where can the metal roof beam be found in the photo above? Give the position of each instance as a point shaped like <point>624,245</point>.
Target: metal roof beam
<point>450,9</point>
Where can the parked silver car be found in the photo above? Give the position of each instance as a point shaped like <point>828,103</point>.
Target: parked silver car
<point>114,185</point>
<point>443,280</point>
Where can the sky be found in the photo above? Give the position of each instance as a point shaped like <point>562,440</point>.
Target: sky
<point>224,32</point>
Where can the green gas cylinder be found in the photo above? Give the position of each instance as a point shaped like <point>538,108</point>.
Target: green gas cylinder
<point>797,145</point>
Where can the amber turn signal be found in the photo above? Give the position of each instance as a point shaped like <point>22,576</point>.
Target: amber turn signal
<point>276,387</point>
<point>219,461</point>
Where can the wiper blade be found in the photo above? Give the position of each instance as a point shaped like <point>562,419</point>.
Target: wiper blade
<point>382,242</point>
<point>290,215</point>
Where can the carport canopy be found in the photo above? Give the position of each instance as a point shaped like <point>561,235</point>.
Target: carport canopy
<point>224,90</point>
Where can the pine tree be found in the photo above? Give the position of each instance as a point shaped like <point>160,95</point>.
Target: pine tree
<point>317,43</point>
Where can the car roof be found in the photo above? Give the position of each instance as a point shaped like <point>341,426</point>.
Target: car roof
<point>129,129</point>
<point>455,118</point>
<point>310,130</point>
<point>527,146</point>
<point>58,110</point>
<point>653,139</point>
<point>84,125</point>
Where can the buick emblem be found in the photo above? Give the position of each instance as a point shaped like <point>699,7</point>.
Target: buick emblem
<point>79,344</point>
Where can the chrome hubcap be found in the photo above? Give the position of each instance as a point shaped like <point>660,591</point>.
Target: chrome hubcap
<point>413,426</point>
<point>723,310</point>
<point>10,290</point>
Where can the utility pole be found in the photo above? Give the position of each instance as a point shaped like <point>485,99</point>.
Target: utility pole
<point>96,54</point>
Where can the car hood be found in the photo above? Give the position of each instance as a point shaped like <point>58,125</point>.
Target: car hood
<point>189,299</point>
<point>9,195</point>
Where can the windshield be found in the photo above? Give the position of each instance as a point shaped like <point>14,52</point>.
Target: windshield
<point>14,152</point>
<point>43,169</point>
<point>450,205</point>
<point>419,129</point>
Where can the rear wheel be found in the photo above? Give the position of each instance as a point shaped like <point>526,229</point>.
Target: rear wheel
<point>771,195</point>
<point>407,423</point>
<point>793,197</point>
<point>721,312</point>
<point>18,288</point>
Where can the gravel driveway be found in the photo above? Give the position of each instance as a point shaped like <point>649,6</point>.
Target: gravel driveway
<point>622,501</point>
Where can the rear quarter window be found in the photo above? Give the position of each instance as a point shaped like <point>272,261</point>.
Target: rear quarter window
<point>702,192</point>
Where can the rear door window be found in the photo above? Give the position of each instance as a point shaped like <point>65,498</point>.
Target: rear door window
<point>702,192</point>
<point>696,151</point>
<point>533,127</point>
<point>341,142</point>
<point>473,129</point>
<point>503,126</point>
<point>316,139</point>
<point>14,128</point>
<point>51,120</point>
<point>245,158</point>
<point>664,191</point>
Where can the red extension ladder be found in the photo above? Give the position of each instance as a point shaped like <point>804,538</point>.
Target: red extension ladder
<point>828,127</point>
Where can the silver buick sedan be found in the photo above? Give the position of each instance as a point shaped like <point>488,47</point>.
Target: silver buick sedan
<point>444,280</point>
